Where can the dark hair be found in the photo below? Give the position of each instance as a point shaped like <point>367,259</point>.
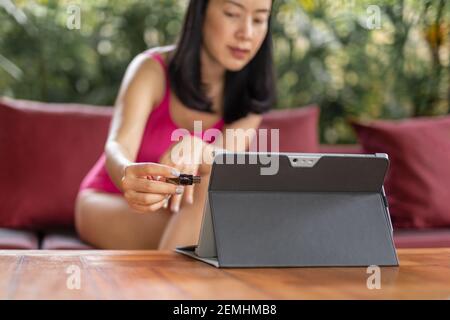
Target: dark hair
<point>251,89</point>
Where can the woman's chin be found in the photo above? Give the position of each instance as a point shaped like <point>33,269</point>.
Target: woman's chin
<point>235,65</point>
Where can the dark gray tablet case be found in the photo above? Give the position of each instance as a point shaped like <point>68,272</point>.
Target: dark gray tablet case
<point>318,210</point>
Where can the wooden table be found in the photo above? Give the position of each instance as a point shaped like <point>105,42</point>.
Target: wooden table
<point>423,273</point>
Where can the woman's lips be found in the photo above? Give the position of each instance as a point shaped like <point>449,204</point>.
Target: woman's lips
<point>237,53</point>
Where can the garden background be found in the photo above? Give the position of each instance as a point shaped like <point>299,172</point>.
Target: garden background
<point>355,58</point>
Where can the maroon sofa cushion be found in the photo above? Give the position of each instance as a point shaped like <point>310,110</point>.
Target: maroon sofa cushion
<point>46,151</point>
<point>63,240</point>
<point>422,238</point>
<point>341,148</point>
<point>418,182</point>
<point>18,239</point>
<point>298,129</point>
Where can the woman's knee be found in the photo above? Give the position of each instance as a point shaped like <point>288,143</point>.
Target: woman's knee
<point>82,212</point>
<point>79,206</point>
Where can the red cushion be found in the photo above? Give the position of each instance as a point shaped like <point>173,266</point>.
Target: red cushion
<point>46,150</point>
<point>418,182</point>
<point>425,238</point>
<point>341,148</point>
<point>18,239</point>
<point>298,129</point>
<point>63,240</point>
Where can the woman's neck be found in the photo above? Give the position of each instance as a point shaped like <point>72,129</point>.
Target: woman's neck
<point>212,74</point>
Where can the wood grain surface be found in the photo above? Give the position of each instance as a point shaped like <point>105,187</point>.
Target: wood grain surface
<point>423,273</point>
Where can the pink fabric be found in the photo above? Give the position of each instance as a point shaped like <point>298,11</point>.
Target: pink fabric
<point>155,141</point>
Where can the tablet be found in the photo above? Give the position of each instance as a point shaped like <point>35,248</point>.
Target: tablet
<point>296,210</point>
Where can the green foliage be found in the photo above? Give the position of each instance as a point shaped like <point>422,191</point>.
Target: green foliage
<point>85,65</point>
<point>327,54</point>
<point>324,53</point>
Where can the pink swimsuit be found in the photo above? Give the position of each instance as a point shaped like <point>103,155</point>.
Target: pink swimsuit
<point>156,140</point>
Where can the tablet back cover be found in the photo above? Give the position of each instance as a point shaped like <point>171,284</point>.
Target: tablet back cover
<point>331,214</point>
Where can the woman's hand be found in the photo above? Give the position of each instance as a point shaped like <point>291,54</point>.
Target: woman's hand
<point>143,188</point>
<point>187,157</point>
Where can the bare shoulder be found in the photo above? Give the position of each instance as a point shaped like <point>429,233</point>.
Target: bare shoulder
<point>150,71</point>
<point>162,51</point>
<point>147,73</point>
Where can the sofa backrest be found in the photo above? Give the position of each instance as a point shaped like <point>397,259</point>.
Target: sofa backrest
<point>47,149</point>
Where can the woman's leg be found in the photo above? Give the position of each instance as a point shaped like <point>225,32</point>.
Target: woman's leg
<point>106,221</point>
<point>184,227</point>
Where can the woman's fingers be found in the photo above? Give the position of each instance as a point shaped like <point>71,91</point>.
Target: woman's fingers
<point>189,190</point>
<point>177,196</point>
<point>147,202</point>
<point>190,194</point>
<point>161,204</point>
<point>165,201</point>
<point>142,198</point>
<point>139,208</point>
<point>175,202</point>
<point>152,169</point>
<point>151,186</point>
<point>147,208</point>
<point>145,187</point>
<point>157,206</point>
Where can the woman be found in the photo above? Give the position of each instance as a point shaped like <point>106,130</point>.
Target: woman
<point>220,73</point>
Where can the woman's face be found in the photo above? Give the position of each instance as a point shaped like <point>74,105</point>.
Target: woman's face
<point>234,30</point>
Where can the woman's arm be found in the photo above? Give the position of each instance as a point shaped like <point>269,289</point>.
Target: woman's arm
<point>141,89</point>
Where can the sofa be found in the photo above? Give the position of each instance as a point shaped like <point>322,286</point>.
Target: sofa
<point>47,148</point>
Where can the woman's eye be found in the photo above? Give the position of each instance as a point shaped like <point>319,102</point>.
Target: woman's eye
<point>232,15</point>
<point>259,20</point>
